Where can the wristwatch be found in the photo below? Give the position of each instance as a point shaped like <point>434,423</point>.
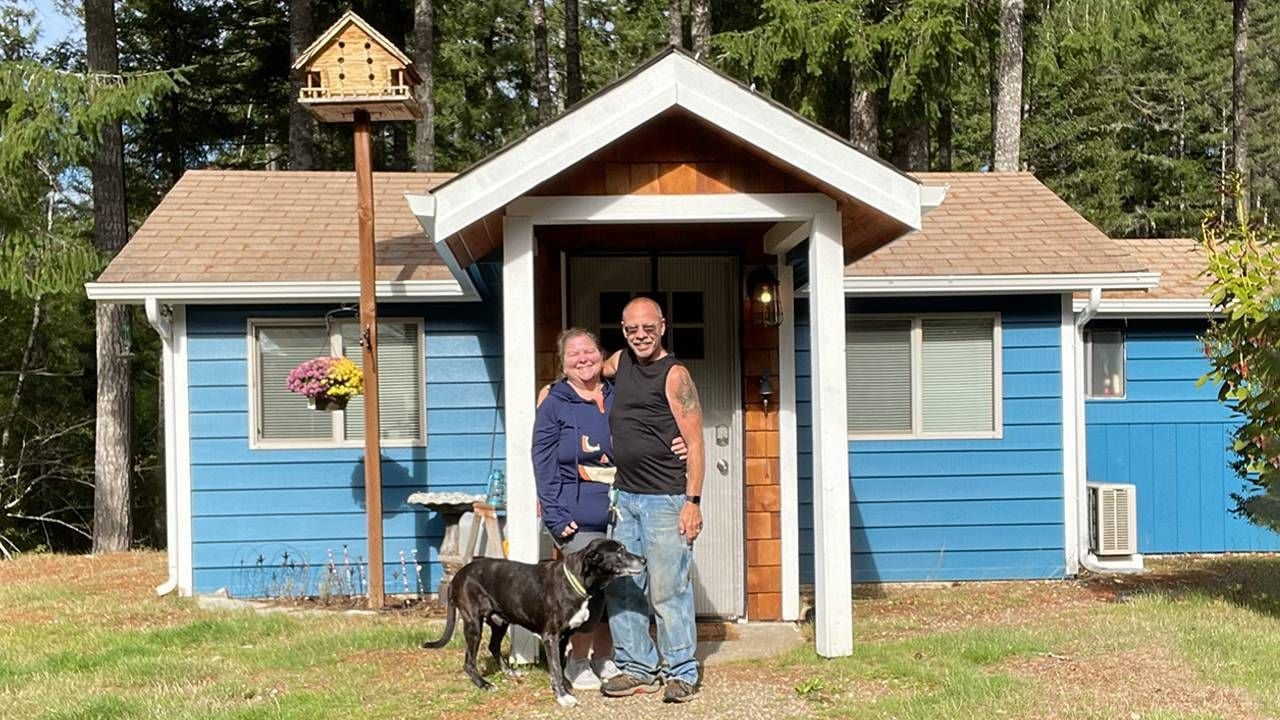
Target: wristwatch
<point>695,499</point>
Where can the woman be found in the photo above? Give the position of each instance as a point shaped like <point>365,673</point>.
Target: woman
<point>573,464</point>
<point>572,459</point>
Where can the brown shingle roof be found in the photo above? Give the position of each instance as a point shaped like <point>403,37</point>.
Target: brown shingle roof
<point>998,224</point>
<point>1180,261</point>
<point>246,226</point>
<point>235,225</point>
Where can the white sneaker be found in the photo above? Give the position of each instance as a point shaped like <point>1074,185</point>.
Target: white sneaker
<point>581,676</point>
<point>606,669</point>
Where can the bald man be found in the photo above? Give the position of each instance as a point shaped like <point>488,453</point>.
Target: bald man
<point>659,511</point>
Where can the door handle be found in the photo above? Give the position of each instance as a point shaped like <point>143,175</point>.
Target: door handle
<point>723,466</point>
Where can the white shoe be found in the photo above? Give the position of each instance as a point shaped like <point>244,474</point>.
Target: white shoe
<point>606,668</point>
<point>581,676</point>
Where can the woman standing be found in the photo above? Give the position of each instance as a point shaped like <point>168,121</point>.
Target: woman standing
<point>572,459</point>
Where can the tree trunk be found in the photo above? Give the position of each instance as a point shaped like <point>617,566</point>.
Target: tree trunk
<point>864,117</point>
<point>1009,103</point>
<point>111,522</point>
<point>302,128</point>
<point>917,146</point>
<point>572,55</point>
<point>424,54</point>
<point>541,66</point>
<point>675,23</point>
<point>700,13</point>
<point>945,134</point>
<point>993,96</point>
<point>1240,97</point>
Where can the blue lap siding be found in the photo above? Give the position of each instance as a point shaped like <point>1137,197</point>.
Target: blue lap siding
<point>266,521</point>
<point>1171,440</point>
<point>957,509</point>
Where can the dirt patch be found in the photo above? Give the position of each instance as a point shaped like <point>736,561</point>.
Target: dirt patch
<point>1126,684</point>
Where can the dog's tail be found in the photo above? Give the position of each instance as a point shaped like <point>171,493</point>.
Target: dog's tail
<point>450,616</point>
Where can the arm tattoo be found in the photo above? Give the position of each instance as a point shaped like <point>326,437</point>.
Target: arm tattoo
<point>686,394</point>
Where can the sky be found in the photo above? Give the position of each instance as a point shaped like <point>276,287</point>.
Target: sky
<point>55,25</point>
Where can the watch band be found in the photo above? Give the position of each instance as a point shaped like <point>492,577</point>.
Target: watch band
<point>695,499</point>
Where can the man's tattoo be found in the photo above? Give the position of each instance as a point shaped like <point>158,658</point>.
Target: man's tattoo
<point>686,394</point>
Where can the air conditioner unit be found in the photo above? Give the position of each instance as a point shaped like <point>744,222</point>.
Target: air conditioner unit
<point>1113,519</point>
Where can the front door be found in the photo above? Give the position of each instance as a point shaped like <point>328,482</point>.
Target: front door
<point>699,298</point>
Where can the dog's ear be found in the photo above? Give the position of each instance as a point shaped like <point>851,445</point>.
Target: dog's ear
<point>592,556</point>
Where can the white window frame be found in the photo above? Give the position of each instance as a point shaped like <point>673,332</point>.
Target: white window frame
<point>337,440</point>
<point>917,389</point>
<point>1088,364</point>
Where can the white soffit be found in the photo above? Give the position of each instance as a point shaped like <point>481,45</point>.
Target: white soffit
<point>251,292</point>
<point>671,79</point>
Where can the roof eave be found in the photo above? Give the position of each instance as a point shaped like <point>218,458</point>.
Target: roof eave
<point>1011,284</point>
<point>219,293</point>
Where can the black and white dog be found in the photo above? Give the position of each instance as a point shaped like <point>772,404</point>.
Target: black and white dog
<point>554,599</point>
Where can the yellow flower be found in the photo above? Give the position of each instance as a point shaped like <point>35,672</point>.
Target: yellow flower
<point>345,379</point>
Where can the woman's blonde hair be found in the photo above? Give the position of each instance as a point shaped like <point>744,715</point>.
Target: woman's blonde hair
<point>563,339</point>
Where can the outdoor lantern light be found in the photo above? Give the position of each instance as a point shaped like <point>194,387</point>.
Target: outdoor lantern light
<point>762,287</point>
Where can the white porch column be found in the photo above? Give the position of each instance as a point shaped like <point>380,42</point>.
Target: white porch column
<point>833,581</point>
<point>519,385</point>
<point>787,445</point>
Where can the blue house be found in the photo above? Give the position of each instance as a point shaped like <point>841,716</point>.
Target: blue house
<point>928,418</point>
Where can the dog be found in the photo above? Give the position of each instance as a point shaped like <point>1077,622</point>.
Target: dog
<point>554,599</point>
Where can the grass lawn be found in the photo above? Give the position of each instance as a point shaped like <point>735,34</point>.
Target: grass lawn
<point>84,637</point>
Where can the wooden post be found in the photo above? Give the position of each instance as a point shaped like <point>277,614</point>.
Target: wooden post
<point>369,355</point>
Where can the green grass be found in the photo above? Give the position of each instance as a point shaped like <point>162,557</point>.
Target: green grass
<point>85,638</point>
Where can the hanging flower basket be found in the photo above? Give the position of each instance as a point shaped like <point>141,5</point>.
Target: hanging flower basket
<point>328,383</point>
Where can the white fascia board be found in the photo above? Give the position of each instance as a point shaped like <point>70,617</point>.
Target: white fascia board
<point>992,284</point>
<point>553,149</point>
<point>715,207</point>
<point>781,134</point>
<point>931,196</point>
<point>252,292</point>
<point>1138,307</point>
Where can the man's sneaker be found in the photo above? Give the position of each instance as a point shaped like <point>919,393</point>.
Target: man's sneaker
<point>622,685</point>
<point>606,668</point>
<point>679,691</point>
<point>580,675</point>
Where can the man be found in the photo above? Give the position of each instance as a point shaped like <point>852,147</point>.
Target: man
<point>659,515</point>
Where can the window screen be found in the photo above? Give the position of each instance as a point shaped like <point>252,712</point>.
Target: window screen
<point>282,414</point>
<point>399,385</point>
<point>878,363</point>
<point>956,375</point>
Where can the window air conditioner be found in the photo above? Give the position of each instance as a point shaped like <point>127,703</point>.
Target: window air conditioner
<point>1113,519</point>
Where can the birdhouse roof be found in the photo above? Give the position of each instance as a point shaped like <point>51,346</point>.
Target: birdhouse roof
<point>349,18</point>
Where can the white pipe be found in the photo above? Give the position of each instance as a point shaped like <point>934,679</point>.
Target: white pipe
<point>1087,558</point>
<point>164,328</point>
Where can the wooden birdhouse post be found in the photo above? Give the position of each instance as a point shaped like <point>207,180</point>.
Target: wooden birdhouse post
<point>353,74</point>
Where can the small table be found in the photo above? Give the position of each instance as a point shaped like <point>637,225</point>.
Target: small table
<point>451,507</point>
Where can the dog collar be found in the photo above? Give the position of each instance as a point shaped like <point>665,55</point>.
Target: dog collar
<point>574,582</point>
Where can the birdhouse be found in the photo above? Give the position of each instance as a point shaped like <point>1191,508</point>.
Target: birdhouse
<point>354,67</point>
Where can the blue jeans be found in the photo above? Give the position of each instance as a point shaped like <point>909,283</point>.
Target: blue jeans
<point>649,526</point>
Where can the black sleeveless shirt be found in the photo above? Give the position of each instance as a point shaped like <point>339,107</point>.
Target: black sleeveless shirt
<point>643,427</point>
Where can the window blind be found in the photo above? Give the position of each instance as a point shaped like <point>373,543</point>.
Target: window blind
<point>957,375</point>
<point>400,386</point>
<point>284,415</point>
<point>878,365</point>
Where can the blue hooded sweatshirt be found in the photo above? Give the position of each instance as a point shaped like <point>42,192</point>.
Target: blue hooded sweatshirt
<point>570,431</point>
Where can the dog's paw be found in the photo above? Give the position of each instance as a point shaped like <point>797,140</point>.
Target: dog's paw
<point>567,700</point>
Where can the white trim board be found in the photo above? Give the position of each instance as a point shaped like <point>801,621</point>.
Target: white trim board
<point>253,292</point>
<point>994,284</point>
<point>1150,308</point>
<point>711,208</point>
<point>1072,479</point>
<point>672,79</point>
<point>182,451</point>
<point>788,444</point>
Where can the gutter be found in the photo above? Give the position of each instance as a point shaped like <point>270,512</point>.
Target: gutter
<point>159,318</point>
<point>1131,563</point>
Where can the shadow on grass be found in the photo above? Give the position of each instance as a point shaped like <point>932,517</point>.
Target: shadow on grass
<point>1246,581</point>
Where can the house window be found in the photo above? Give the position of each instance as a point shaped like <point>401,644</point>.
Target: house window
<point>923,376</point>
<point>281,418</point>
<point>1104,363</point>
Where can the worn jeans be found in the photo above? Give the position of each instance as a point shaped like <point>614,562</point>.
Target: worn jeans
<point>649,526</point>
